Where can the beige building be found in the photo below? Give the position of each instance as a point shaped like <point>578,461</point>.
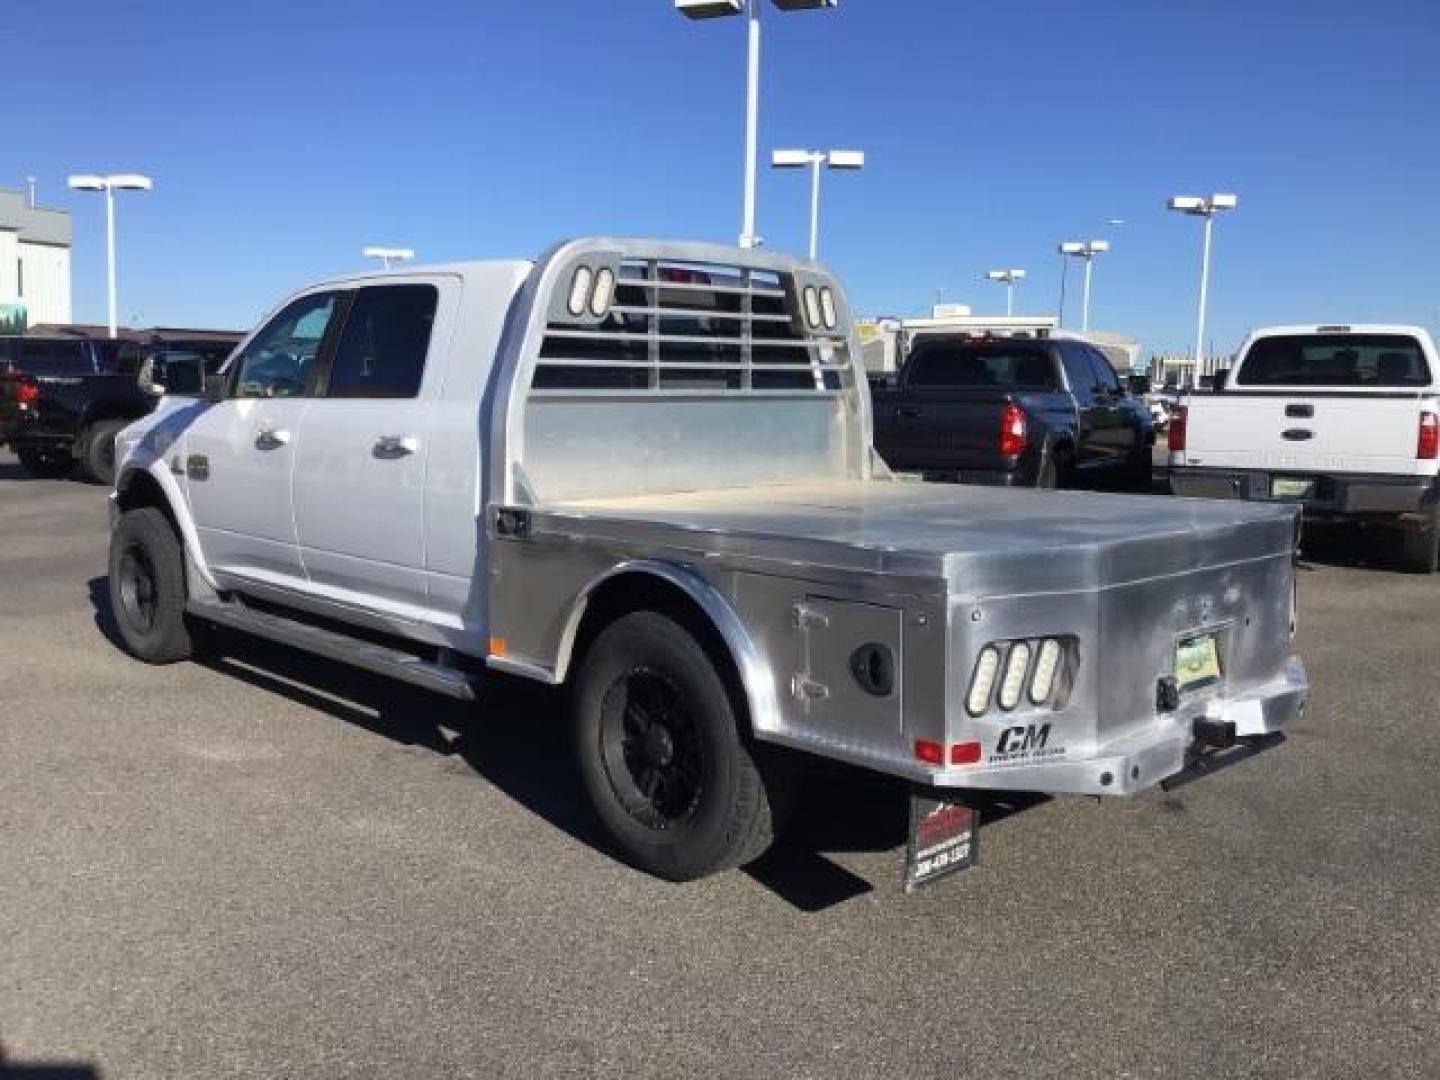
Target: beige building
<point>34,259</point>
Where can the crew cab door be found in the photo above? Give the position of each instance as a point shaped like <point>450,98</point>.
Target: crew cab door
<point>359,485</point>
<point>238,453</point>
<point>1081,376</point>
<point>1113,429</point>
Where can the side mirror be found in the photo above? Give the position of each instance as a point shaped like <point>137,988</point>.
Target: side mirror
<point>1221,377</point>
<point>216,387</point>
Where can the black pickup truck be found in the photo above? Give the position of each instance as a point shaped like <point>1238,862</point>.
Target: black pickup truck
<point>63,399</point>
<point>1035,412</point>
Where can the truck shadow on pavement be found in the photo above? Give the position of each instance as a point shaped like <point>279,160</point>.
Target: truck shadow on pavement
<point>517,738</point>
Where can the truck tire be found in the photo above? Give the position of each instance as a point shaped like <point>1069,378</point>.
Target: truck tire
<point>1055,470</point>
<point>661,752</point>
<point>147,587</point>
<point>97,450</point>
<point>46,462</point>
<point>1140,471</point>
<point>1420,544</point>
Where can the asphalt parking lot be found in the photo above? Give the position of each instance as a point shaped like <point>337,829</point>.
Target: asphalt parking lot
<point>268,865</point>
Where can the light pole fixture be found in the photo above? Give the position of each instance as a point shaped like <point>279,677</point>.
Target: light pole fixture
<point>1205,207</point>
<point>711,9</point>
<point>1087,250</point>
<point>109,185</point>
<point>813,159</point>
<point>388,255</point>
<point>1009,277</point>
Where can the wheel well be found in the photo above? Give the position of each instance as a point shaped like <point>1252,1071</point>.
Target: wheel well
<point>634,591</point>
<point>139,489</point>
<point>110,411</point>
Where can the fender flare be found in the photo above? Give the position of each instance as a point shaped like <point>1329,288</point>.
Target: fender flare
<point>157,471</point>
<point>755,676</point>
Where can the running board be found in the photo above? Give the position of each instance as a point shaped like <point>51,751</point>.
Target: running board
<point>381,659</point>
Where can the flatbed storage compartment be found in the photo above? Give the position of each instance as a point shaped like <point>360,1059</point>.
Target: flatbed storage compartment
<point>936,574</point>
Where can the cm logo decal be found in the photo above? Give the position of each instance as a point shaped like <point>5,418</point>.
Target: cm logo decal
<point>1024,744</point>
<point>1018,740</point>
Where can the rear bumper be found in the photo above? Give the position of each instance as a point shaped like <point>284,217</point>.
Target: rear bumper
<point>1164,751</point>
<point>1333,494</point>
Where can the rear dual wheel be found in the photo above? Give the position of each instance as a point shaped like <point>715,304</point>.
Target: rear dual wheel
<point>662,755</point>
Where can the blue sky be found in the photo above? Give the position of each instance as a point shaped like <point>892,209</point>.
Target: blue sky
<point>285,136</point>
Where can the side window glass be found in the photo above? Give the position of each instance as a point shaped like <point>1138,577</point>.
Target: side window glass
<point>1077,370</point>
<point>54,356</point>
<point>383,344</point>
<point>277,363</point>
<point>1105,377</point>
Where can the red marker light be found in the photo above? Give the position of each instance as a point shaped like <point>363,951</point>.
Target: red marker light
<point>931,753</point>
<point>965,753</point>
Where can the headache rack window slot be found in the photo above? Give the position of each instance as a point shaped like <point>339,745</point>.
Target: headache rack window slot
<point>693,329</point>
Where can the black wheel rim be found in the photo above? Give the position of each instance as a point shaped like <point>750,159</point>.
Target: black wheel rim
<point>138,589</point>
<point>650,745</point>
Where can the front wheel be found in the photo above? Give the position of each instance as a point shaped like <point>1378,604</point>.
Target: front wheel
<point>662,755</point>
<point>147,587</point>
<point>48,463</point>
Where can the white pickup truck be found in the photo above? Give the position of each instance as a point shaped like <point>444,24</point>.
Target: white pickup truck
<point>644,470</point>
<point>1342,420</point>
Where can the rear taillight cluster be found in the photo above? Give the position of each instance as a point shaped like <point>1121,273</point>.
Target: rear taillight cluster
<point>1175,435</point>
<point>1427,445</point>
<point>27,392</point>
<point>1012,430</point>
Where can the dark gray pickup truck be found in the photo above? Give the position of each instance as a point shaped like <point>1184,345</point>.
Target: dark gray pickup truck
<point>64,398</point>
<point>1043,412</point>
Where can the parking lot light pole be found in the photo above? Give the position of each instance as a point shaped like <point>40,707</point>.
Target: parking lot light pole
<point>109,185</point>
<point>813,159</point>
<point>388,255</point>
<point>1203,207</point>
<point>1086,250</point>
<point>1009,277</point>
<point>711,9</point>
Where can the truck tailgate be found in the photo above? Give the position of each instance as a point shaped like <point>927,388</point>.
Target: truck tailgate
<point>1351,432</point>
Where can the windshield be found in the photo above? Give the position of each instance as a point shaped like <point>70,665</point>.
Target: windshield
<point>957,365</point>
<point>1335,360</point>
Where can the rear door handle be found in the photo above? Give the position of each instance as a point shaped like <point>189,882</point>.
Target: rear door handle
<point>271,438</point>
<point>909,414</point>
<point>390,447</point>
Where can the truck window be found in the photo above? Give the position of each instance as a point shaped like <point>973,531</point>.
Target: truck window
<point>956,365</point>
<point>1104,375</point>
<point>1077,370</point>
<point>51,356</point>
<point>277,363</point>
<point>383,344</point>
<point>1334,360</point>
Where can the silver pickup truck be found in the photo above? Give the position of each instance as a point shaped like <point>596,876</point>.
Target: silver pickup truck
<point>644,470</point>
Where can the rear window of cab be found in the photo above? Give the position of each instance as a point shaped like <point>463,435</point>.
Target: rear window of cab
<point>1352,360</point>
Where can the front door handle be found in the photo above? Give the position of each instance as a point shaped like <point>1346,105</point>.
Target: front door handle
<point>908,414</point>
<point>390,447</point>
<point>271,438</point>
